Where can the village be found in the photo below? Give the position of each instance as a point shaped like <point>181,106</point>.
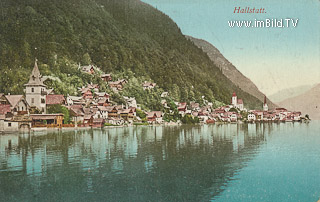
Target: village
<point>94,109</point>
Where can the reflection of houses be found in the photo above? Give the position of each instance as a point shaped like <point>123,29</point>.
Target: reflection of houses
<point>47,120</point>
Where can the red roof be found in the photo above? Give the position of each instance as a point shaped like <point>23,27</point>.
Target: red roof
<point>234,94</point>
<point>4,109</point>
<point>240,101</point>
<point>55,99</point>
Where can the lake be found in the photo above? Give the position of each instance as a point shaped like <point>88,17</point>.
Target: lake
<point>235,162</point>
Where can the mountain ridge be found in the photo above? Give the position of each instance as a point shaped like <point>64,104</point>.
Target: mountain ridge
<point>125,37</point>
<point>307,103</point>
<point>229,70</point>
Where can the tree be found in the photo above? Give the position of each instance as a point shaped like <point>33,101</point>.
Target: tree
<point>56,109</point>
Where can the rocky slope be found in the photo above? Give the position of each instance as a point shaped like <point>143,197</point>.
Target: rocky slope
<point>229,70</point>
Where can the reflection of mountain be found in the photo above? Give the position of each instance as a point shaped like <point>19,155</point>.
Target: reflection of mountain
<point>289,93</point>
<point>229,70</point>
<point>127,164</point>
<point>307,103</point>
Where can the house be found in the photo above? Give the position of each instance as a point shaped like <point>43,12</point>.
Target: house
<point>115,121</point>
<point>154,117</point>
<point>164,94</point>
<point>103,101</point>
<point>75,100</point>
<point>234,117</point>
<point>117,85</point>
<point>251,117</point>
<point>296,116</point>
<point>77,113</point>
<point>102,95</point>
<point>87,120</point>
<point>18,104</point>
<point>14,124</point>
<point>148,85</point>
<point>103,112</point>
<point>127,115</point>
<point>36,90</point>
<point>106,77</point>
<point>86,94</point>
<point>5,109</point>
<point>130,102</point>
<point>112,112</point>
<point>55,100</point>
<point>98,123</point>
<point>88,69</point>
<point>47,120</point>
<point>194,106</point>
<point>182,107</point>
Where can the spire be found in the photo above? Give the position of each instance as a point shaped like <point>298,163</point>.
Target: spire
<point>234,94</point>
<point>35,77</point>
<point>265,100</point>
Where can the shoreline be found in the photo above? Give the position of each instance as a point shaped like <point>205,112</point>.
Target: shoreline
<point>66,129</point>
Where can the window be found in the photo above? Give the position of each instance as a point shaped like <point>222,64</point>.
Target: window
<point>43,101</point>
<point>9,124</point>
<point>32,90</point>
<point>32,100</point>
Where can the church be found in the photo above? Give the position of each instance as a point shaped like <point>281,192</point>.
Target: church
<point>237,103</point>
<point>36,90</point>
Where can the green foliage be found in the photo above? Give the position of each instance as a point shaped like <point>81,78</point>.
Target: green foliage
<point>108,124</point>
<point>233,110</point>
<point>54,109</point>
<point>188,119</point>
<point>117,36</point>
<point>140,114</point>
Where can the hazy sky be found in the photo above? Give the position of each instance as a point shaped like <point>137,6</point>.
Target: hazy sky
<point>273,58</point>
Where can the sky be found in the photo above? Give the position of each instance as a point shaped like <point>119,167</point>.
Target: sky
<point>273,58</point>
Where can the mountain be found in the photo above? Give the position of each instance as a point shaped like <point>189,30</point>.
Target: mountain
<point>307,103</point>
<point>127,38</point>
<point>230,71</point>
<point>289,93</point>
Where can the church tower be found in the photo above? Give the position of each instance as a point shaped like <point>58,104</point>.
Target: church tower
<point>265,105</point>
<point>36,90</point>
<point>234,99</point>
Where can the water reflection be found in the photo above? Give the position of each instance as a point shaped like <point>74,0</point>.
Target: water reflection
<point>188,163</point>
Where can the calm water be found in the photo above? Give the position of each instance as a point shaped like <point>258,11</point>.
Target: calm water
<point>263,162</point>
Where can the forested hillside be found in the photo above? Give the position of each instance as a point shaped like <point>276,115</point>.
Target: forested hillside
<point>123,37</point>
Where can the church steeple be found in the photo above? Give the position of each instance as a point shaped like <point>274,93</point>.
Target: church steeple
<point>265,105</point>
<point>35,77</point>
